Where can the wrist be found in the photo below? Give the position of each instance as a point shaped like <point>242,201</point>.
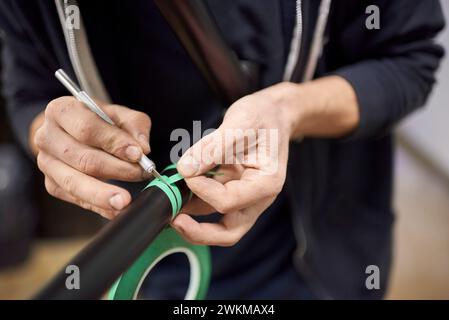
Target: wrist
<point>288,97</point>
<point>325,107</point>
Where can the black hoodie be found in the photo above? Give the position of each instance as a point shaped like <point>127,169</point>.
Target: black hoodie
<point>339,190</point>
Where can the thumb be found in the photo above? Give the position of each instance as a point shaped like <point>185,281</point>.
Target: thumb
<point>203,156</point>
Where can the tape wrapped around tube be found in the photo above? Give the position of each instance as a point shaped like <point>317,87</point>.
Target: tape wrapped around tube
<point>166,243</point>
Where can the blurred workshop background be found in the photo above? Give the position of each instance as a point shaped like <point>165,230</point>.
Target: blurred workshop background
<point>39,234</point>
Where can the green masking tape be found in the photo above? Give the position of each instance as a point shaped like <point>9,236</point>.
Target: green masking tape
<point>167,242</point>
<point>173,194</point>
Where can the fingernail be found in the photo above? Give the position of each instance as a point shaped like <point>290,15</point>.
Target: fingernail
<point>144,140</point>
<point>133,153</point>
<point>117,202</point>
<point>188,166</point>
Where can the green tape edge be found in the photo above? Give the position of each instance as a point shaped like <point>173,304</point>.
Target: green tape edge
<point>168,242</point>
<point>173,193</point>
<point>172,166</point>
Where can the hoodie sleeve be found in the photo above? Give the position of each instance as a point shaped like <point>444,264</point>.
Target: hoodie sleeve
<point>26,71</point>
<point>392,70</point>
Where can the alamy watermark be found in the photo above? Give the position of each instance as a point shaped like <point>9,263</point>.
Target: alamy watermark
<point>73,280</point>
<point>72,17</point>
<point>251,147</point>
<point>372,282</point>
<point>372,22</point>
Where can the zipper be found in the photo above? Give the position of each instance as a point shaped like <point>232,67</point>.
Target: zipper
<point>295,45</point>
<point>317,42</point>
<point>303,242</point>
<point>292,62</point>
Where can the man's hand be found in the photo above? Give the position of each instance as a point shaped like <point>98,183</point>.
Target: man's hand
<point>244,188</point>
<point>76,150</point>
<point>250,176</point>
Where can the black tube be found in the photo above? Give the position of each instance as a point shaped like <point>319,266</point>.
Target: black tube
<point>116,247</point>
<point>195,28</point>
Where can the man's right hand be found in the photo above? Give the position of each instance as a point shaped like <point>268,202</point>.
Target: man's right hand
<point>76,149</point>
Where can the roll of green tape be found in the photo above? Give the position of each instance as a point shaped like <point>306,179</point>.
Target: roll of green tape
<point>168,242</point>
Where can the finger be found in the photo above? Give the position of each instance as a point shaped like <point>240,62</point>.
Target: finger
<point>235,194</point>
<point>227,232</point>
<point>231,228</point>
<point>136,123</point>
<point>196,206</point>
<point>82,186</point>
<point>94,162</point>
<point>88,128</point>
<point>226,145</point>
<point>215,234</point>
<point>57,192</point>
<point>203,156</point>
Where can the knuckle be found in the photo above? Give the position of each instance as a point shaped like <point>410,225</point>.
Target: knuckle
<point>58,106</point>
<point>51,108</point>
<point>41,137</point>
<point>69,185</point>
<point>41,162</point>
<point>85,130</point>
<point>108,143</point>
<point>240,110</point>
<point>88,163</point>
<point>51,187</point>
<point>117,146</point>
<point>95,198</point>
<point>224,206</point>
<point>142,116</point>
<point>114,142</point>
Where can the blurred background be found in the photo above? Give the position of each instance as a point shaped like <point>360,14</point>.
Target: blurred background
<point>39,234</point>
